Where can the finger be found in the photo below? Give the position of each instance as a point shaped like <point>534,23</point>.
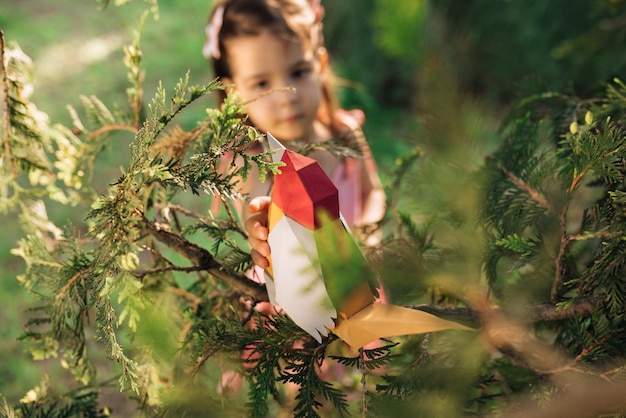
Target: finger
<point>256,226</point>
<point>260,246</point>
<point>259,260</point>
<point>259,204</point>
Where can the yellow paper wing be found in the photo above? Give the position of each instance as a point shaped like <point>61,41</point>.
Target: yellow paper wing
<point>379,320</point>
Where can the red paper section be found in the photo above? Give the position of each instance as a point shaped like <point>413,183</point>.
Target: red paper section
<point>303,190</point>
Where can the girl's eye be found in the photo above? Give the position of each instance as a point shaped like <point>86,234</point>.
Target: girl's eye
<point>299,73</point>
<point>263,84</point>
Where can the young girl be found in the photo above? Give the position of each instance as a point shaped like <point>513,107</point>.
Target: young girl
<point>272,53</point>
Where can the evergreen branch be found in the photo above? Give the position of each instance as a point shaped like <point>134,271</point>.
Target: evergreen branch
<point>106,323</point>
<point>300,369</point>
<point>534,194</point>
<point>205,261</point>
<point>5,106</point>
<point>81,402</point>
<point>6,410</point>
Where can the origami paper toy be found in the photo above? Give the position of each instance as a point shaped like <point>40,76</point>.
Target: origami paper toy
<point>310,242</point>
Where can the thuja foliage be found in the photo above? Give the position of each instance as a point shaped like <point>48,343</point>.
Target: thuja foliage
<point>527,247</point>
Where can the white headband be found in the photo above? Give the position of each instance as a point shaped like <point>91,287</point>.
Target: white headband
<point>211,48</point>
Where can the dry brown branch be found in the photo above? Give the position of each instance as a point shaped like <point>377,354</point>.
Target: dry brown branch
<point>203,259</point>
<point>542,312</point>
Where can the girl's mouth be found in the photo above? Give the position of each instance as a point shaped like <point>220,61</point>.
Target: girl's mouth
<point>292,118</point>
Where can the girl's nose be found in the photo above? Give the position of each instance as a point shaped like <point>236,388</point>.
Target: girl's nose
<point>288,84</point>
<point>287,92</point>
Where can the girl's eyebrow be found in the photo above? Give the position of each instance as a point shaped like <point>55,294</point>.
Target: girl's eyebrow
<point>257,76</point>
<point>262,75</point>
<point>301,62</point>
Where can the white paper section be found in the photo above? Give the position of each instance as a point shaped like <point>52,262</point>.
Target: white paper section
<point>298,281</point>
<point>275,145</point>
<point>271,289</point>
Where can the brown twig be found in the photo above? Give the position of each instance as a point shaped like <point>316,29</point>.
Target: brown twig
<point>597,235</point>
<point>363,369</point>
<point>614,371</point>
<point>113,127</point>
<point>183,210</point>
<point>534,194</point>
<point>71,281</point>
<point>231,223</point>
<point>291,90</point>
<point>571,365</point>
<point>558,269</point>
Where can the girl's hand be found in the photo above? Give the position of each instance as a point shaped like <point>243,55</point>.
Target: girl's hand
<point>256,227</point>
<point>348,119</point>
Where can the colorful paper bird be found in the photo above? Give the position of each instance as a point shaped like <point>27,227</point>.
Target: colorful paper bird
<point>317,273</point>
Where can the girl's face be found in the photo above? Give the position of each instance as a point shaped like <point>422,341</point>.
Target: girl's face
<point>262,63</point>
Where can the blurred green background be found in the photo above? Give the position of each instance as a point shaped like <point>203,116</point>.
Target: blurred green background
<point>438,74</point>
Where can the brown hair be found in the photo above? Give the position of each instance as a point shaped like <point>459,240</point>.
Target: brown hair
<point>291,19</point>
